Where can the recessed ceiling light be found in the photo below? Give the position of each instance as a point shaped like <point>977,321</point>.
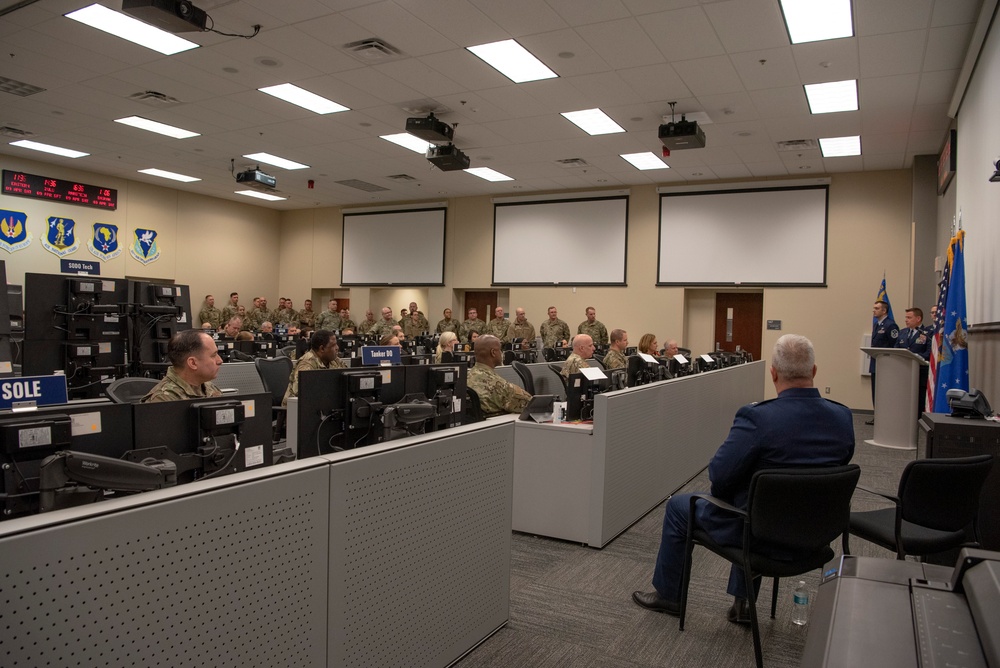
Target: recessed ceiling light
<point>644,161</point>
<point>593,121</point>
<point>812,21</point>
<point>159,128</point>
<point>406,140</point>
<point>173,176</point>
<point>513,61</point>
<point>303,98</point>
<point>488,174</point>
<point>276,161</point>
<point>48,148</point>
<point>835,147</point>
<point>133,30</point>
<point>826,98</point>
<point>254,193</point>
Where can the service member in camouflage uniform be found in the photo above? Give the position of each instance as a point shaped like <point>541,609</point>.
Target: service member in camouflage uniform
<point>232,308</point>
<point>424,324</point>
<point>554,331</point>
<point>330,318</point>
<point>345,320</point>
<point>246,325</point>
<point>412,327</point>
<point>471,324</point>
<point>194,363</point>
<point>521,329</point>
<point>307,316</point>
<point>496,395</point>
<point>594,328</point>
<point>366,325</point>
<point>448,324</point>
<point>323,353</point>
<point>288,315</point>
<point>615,359</point>
<point>583,350</point>
<point>404,315</point>
<point>209,313</point>
<point>498,326</point>
<point>383,327</point>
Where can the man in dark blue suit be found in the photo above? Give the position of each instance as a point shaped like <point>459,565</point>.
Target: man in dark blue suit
<point>917,339</point>
<point>798,428</point>
<point>885,333</point>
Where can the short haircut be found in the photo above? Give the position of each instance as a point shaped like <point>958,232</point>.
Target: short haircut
<point>590,308</point>
<point>233,294</point>
<point>793,357</point>
<point>207,296</point>
<point>184,344</point>
<point>320,338</point>
<point>244,336</point>
<point>916,311</point>
<point>617,335</point>
<point>883,303</point>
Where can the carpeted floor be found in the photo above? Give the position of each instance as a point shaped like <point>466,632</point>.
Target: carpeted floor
<point>571,605</point>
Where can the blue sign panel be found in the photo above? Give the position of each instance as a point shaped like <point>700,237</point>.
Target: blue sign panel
<point>375,355</point>
<point>80,267</point>
<point>33,390</point>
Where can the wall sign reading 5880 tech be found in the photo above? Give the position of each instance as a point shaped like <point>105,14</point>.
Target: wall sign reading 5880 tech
<point>58,190</point>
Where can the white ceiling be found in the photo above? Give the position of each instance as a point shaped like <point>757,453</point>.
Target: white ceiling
<point>730,59</point>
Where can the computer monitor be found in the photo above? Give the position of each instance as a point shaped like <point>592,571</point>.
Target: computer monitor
<point>160,310</point>
<point>580,392</point>
<point>94,426</point>
<point>440,384</point>
<point>641,371</point>
<point>341,408</point>
<point>192,434</point>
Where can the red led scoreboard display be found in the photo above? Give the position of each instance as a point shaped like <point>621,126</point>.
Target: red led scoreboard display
<point>58,190</point>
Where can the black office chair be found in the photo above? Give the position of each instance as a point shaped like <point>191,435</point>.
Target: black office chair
<point>508,357</point>
<point>937,500</point>
<point>796,511</point>
<point>524,373</point>
<point>557,367</point>
<point>130,390</point>
<point>275,372</point>
<point>286,351</point>
<point>595,363</point>
<point>473,409</point>
<point>549,354</point>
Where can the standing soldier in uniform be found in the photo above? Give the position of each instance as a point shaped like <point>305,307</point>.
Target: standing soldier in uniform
<point>330,318</point>
<point>307,316</point>
<point>498,326</point>
<point>345,320</point>
<point>210,314</point>
<point>554,331</point>
<point>412,327</point>
<point>384,326</point>
<point>448,324</point>
<point>424,324</point>
<point>594,328</point>
<point>885,332</point>
<point>521,329</point>
<point>366,325</point>
<point>471,324</point>
<point>232,308</point>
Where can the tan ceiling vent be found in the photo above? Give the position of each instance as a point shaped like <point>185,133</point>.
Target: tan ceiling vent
<point>19,88</point>
<point>361,185</point>
<point>372,49</point>
<point>402,177</point>
<point>16,133</point>
<point>572,162</point>
<point>798,145</point>
<point>153,98</point>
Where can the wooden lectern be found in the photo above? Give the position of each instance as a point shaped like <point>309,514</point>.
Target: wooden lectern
<point>897,382</point>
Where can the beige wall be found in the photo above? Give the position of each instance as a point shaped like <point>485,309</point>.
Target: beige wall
<point>212,245</point>
<point>869,232</point>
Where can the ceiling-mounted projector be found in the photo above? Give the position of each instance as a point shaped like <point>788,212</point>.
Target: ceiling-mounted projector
<point>430,129</point>
<point>170,15</point>
<point>682,134</point>
<point>255,177</point>
<point>447,158</point>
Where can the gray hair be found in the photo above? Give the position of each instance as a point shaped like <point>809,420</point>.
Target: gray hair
<point>793,357</point>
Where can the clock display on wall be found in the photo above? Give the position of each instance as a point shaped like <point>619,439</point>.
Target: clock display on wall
<point>22,184</point>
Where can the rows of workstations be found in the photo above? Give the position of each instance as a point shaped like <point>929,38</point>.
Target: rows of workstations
<point>387,554</point>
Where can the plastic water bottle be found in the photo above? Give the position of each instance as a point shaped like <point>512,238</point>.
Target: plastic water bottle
<point>800,604</point>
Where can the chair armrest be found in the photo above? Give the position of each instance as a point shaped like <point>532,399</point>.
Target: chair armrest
<point>888,497</point>
<point>718,503</point>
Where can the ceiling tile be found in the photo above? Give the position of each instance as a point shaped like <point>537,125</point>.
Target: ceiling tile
<point>655,83</point>
<point>881,162</point>
<point>521,17</point>
<point>896,92</point>
<point>937,87</point>
<point>400,28</point>
<point>773,68</point>
<point>708,76</point>
<point>682,34</point>
<point>879,17</point>
<point>748,25</point>
<point>621,43</point>
<point>790,101</point>
<point>941,52</point>
<point>565,53</point>
<point>953,12</point>
<point>895,53</point>
<point>830,60</point>
<point>576,13</point>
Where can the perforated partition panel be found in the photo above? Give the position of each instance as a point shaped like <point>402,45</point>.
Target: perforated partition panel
<point>234,576</point>
<point>242,376</point>
<point>422,540</point>
<point>657,437</point>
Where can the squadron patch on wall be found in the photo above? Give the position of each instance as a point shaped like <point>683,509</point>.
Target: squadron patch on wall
<point>14,234</point>
<point>104,243</point>
<point>144,247</point>
<point>60,236</point>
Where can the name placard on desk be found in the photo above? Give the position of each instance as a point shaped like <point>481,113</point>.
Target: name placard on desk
<point>375,355</point>
<point>31,391</point>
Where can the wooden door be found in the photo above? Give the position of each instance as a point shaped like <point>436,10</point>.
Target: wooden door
<point>739,319</point>
<point>483,301</point>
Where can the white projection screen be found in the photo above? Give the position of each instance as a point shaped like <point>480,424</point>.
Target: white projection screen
<point>744,237</point>
<point>573,242</point>
<point>394,248</point>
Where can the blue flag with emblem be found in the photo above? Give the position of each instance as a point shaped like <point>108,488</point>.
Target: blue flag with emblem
<point>883,296</point>
<point>953,356</point>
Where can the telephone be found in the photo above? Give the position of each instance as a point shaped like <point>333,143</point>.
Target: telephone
<point>968,404</point>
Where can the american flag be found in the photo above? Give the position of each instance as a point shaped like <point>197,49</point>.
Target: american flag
<point>938,326</point>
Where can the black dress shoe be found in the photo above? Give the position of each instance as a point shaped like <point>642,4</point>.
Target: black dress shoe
<point>653,601</point>
<point>872,421</point>
<point>739,612</point>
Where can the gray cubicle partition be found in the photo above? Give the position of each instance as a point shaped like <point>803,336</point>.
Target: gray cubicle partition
<point>545,379</point>
<point>395,555</point>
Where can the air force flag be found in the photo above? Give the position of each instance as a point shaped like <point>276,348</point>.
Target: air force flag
<point>104,243</point>
<point>144,248</point>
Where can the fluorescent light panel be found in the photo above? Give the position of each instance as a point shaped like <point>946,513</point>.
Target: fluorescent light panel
<point>173,176</point>
<point>816,20</point>
<point>644,161</point>
<point>488,174</point>
<point>48,148</point>
<point>593,121</point>
<point>513,61</point>
<point>276,161</point>
<point>406,140</point>
<point>159,128</point>
<point>303,98</point>
<point>835,147</point>
<point>827,98</point>
<point>133,30</point>
<point>254,193</point>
